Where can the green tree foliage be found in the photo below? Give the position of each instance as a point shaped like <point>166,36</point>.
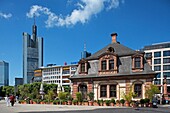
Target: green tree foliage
<point>152,91</point>
<point>8,90</point>
<point>79,96</point>
<point>67,89</point>
<point>128,96</point>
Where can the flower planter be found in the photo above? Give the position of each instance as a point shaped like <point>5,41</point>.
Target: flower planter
<point>127,104</point>
<point>112,104</point>
<point>90,103</point>
<point>85,103</point>
<point>95,104</point>
<point>69,102</point>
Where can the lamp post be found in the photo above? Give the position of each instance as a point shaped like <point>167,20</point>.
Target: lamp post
<point>42,91</point>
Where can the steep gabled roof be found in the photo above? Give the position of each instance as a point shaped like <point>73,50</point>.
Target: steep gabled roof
<point>119,49</point>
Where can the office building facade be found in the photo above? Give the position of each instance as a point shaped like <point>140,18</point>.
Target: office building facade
<point>57,74</point>
<point>4,73</point>
<point>32,54</point>
<point>160,54</point>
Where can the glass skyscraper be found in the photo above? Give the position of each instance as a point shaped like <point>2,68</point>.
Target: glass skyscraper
<point>32,54</point>
<point>4,73</point>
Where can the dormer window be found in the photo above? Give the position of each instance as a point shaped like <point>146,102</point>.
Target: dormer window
<point>111,64</point>
<point>82,67</point>
<point>137,62</point>
<point>104,65</point>
<point>108,63</point>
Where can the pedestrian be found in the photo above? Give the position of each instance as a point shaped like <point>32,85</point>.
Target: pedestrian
<point>12,100</point>
<point>7,100</point>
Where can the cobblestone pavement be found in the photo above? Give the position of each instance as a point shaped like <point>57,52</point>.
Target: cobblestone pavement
<point>38,108</point>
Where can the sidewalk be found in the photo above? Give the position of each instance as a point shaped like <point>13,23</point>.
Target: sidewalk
<point>45,107</point>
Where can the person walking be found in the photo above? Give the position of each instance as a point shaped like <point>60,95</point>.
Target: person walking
<point>12,100</point>
<point>7,100</point>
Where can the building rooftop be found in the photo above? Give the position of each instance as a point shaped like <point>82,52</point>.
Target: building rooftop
<point>157,46</point>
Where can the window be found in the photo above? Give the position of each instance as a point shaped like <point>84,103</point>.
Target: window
<point>103,91</point>
<point>157,54</point>
<point>167,74</point>
<point>157,68</point>
<point>166,60</point>
<point>104,65</point>
<point>83,67</point>
<point>158,75</point>
<point>112,90</point>
<point>166,67</point>
<point>148,54</point>
<point>138,90</point>
<point>157,61</point>
<point>111,64</point>
<point>157,81</point>
<point>168,89</point>
<point>166,53</point>
<point>168,81</point>
<point>137,62</point>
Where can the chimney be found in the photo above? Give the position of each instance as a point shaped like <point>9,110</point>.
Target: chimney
<point>114,37</point>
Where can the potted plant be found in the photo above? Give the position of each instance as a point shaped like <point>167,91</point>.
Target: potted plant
<point>85,102</point>
<point>91,96</point>
<point>112,102</point>
<point>79,97</point>
<point>75,101</point>
<point>99,102</point>
<point>107,102</point>
<point>146,102</point>
<point>142,102</point>
<point>117,102</point>
<point>122,101</point>
<point>69,100</point>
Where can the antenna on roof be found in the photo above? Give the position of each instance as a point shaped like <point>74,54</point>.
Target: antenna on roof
<point>84,46</point>
<point>34,18</point>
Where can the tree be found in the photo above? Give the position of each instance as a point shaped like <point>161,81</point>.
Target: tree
<point>128,96</point>
<point>8,90</point>
<point>152,91</point>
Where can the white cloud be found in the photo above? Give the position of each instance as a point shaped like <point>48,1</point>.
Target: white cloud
<point>82,14</point>
<point>6,16</point>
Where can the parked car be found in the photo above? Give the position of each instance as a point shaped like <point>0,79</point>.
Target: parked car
<point>155,103</point>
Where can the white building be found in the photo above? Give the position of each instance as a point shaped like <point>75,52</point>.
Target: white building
<point>160,54</point>
<point>59,75</point>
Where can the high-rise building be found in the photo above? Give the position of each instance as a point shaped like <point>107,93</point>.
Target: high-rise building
<point>32,54</point>
<point>4,73</point>
<point>160,54</point>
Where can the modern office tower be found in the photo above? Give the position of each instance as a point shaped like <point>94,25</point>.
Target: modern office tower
<point>4,73</point>
<point>32,54</point>
<point>160,54</point>
<point>53,74</point>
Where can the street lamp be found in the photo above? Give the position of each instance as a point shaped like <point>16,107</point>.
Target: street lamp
<point>42,91</point>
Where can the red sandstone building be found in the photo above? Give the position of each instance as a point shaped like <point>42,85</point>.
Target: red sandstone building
<point>111,71</point>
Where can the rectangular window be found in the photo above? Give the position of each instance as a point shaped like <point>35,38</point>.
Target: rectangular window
<point>111,64</point>
<point>157,81</point>
<point>157,54</point>
<point>167,74</point>
<point>157,61</point>
<point>166,67</point>
<point>138,90</point>
<point>166,60</point>
<point>103,91</point>
<point>82,67</point>
<point>112,90</point>
<point>166,53</point>
<point>158,75</point>
<point>168,81</point>
<point>168,89</point>
<point>104,65</point>
<point>148,54</point>
<point>157,68</point>
<point>137,62</point>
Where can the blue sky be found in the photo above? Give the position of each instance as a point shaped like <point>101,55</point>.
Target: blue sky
<point>67,24</point>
